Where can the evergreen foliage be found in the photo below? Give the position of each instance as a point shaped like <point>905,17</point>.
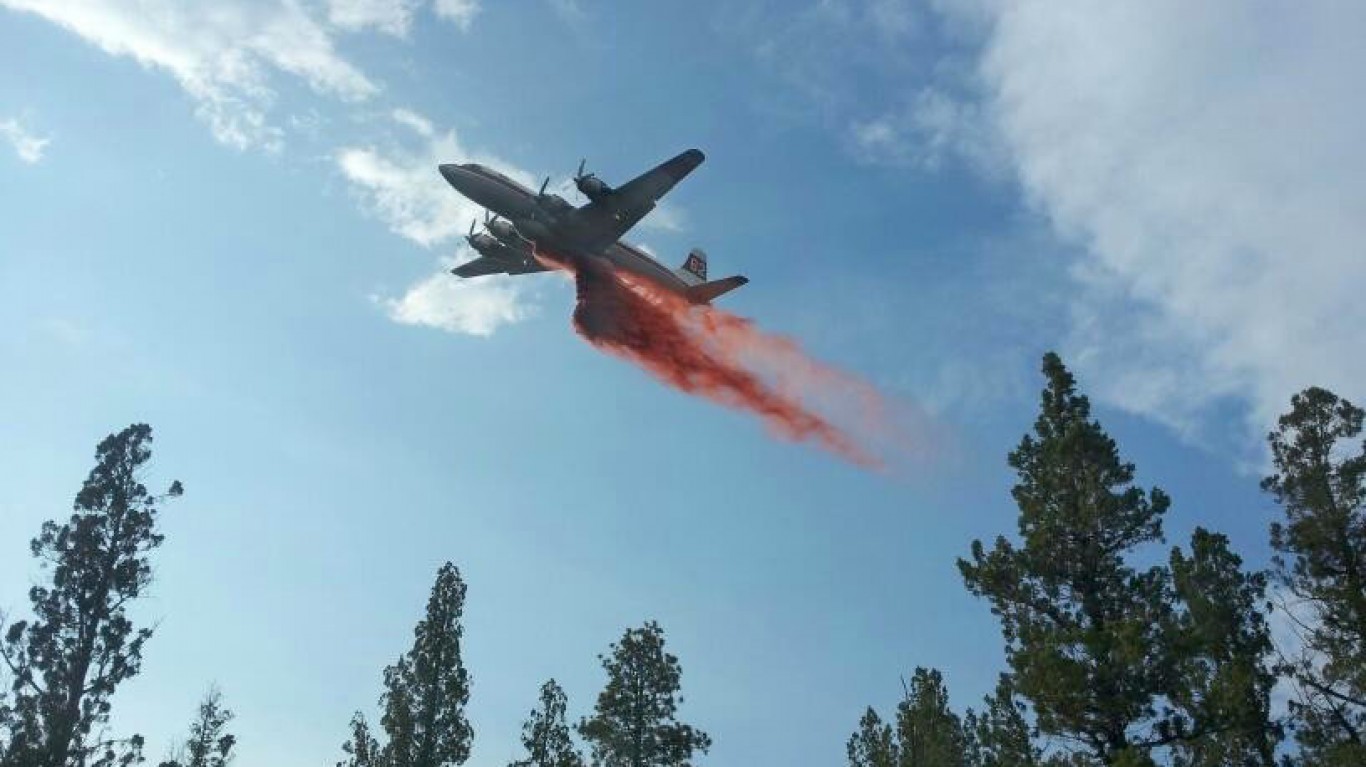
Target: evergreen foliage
<point>1000,735</point>
<point>873,744</point>
<point>546,736</point>
<point>1320,482</point>
<point>425,692</point>
<point>633,722</point>
<point>209,744</point>
<point>1131,664</point>
<point>65,663</point>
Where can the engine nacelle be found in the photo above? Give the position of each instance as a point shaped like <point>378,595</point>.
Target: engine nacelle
<point>486,244</point>
<point>592,187</point>
<point>503,230</point>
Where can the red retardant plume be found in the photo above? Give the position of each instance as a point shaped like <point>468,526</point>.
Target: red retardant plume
<point>714,354</point>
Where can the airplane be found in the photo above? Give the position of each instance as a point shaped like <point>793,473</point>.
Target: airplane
<point>519,222</point>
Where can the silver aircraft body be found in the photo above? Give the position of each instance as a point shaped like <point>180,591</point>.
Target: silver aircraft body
<point>523,222</point>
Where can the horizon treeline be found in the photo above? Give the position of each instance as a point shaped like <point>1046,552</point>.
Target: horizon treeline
<point>1107,662</point>
<point>1113,664</point>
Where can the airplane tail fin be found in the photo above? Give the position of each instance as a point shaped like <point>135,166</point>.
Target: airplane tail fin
<point>705,292</point>
<point>694,269</point>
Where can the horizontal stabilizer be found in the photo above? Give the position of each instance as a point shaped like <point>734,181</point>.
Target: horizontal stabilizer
<point>707,291</point>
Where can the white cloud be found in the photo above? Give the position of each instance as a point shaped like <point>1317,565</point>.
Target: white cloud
<point>460,12</point>
<point>403,188</point>
<point>1207,158</point>
<point>28,146</point>
<point>931,128</point>
<point>223,54</point>
<point>393,17</point>
<point>666,217</point>
<point>474,307</point>
<point>413,120</point>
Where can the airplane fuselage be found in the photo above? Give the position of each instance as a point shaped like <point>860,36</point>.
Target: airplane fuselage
<point>548,223</point>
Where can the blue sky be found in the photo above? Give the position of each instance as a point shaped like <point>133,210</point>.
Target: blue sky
<point>229,224</point>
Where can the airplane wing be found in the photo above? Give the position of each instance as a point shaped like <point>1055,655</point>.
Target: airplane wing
<point>485,265</point>
<point>610,216</point>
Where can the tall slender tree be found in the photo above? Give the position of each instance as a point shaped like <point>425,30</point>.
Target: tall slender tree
<point>929,733</point>
<point>425,692</point>
<point>1000,736</point>
<point>1082,627</point>
<point>66,662</point>
<point>546,736</point>
<point>873,744</point>
<point>634,721</point>
<point>1164,662</point>
<point>1218,644</point>
<point>1320,482</point>
<point>361,749</point>
<point>210,744</point>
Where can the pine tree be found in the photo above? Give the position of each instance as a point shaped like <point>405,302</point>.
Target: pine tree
<point>873,745</point>
<point>929,734</point>
<point>633,722</point>
<point>361,749</point>
<point>425,692</point>
<point>1000,735</point>
<point>1218,643</point>
<point>545,735</point>
<point>1131,664</point>
<point>209,744</point>
<point>80,645</point>
<point>427,689</point>
<point>1320,481</point>
<point>1081,626</point>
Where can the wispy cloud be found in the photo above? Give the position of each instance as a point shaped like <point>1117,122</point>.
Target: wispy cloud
<point>401,187</point>
<point>27,145</point>
<point>474,307</point>
<point>227,55</point>
<point>223,54</point>
<point>1208,160</point>
<point>937,125</point>
<point>394,17</point>
<point>666,217</point>
<point>875,72</point>
<point>459,12</point>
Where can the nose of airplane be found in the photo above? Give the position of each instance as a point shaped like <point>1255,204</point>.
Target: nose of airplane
<point>449,172</point>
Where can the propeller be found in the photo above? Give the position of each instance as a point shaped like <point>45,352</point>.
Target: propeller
<point>589,184</point>
<point>544,184</point>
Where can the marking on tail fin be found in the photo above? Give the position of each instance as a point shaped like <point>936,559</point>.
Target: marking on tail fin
<point>696,265</point>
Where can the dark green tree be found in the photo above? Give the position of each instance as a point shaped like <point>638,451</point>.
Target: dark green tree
<point>928,733</point>
<point>633,722</point>
<point>427,689</point>
<point>1000,735</point>
<point>545,735</point>
<point>425,692</point>
<point>873,744</point>
<point>209,744</point>
<point>1320,482</point>
<point>80,645</point>
<point>1218,644</point>
<point>361,749</point>
<point>1083,629</point>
